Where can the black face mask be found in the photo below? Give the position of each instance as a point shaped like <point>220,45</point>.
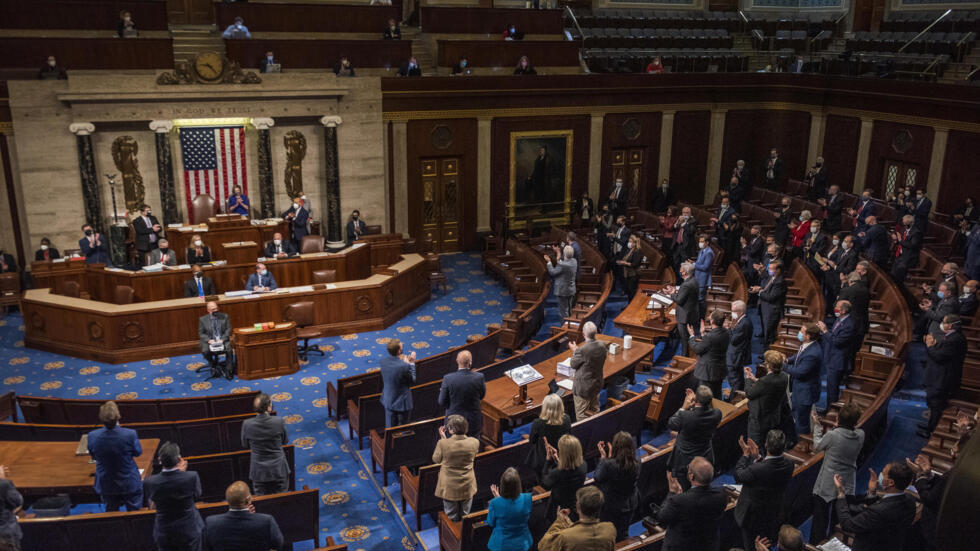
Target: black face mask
<point>163,249</point>
<point>198,274</point>
<point>88,233</point>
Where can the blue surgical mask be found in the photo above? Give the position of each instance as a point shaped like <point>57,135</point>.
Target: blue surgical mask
<point>799,336</point>
<point>940,294</point>
<point>881,481</point>
<point>771,272</point>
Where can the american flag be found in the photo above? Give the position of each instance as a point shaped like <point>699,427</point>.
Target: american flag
<point>214,162</point>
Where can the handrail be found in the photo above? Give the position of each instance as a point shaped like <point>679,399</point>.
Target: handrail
<point>842,16</point>
<point>569,11</point>
<point>925,30</point>
<point>971,73</point>
<point>931,65</point>
<point>746,19</point>
<point>970,36</point>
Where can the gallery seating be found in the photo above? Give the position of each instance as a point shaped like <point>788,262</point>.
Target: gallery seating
<point>218,470</point>
<point>63,411</point>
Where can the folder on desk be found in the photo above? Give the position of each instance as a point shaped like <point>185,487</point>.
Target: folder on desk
<point>82,448</point>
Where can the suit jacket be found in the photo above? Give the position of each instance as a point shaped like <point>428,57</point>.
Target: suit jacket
<point>97,253</point>
<point>777,171</point>
<point>702,267</point>
<point>862,210</point>
<point>143,233</point>
<point>767,402</point>
<point>724,217</point>
<point>695,428</point>
<point>839,344</point>
<point>754,250</point>
<point>880,526</point>
<point>204,330</point>
<point>564,273</point>
<point>265,435</point>
<point>920,209</point>
<point>847,261</point>
<point>461,393</point>
<point>944,364</point>
<point>772,298</point>
<point>190,287</point>
<point>781,232</point>
<point>833,210</point>
<point>711,351</point>
<point>457,481</point>
<point>53,254</point>
<point>583,204</point>
<point>818,185</point>
<point>939,310</point>
<point>587,361</point>
<point>10,262</point>
<point>618,485</point>
<point>174,493</point>
<point>156,257</point>
<point>689,240</point>
<point>10,500</point>
<point>662,199</point>
<point>241,531</point>
<point>583,535</point>
<point>299,222</point>
<point>803,369</point>
<point>763,484</point>
<point>876,244</point>
<point>739,353</point>
<point>692,518</point>
<point>113,449</point>
<point>967,305</point>
<point>286,246</point>
<point>397,377</point>
<point>264,64</point>
<point>266,280</point>
<point>351,225</point>
<point>841,448</point>
<point>194,258</point>
<point>686,302</point>
<point>860,300</point>
<point>404,71</point>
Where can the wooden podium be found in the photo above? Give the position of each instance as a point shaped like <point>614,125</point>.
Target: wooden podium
<point>242,252</point>
<point>266,353</point>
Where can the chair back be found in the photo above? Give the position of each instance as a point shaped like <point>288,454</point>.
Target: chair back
<point>311,244</point>
<point>124,294</point>
<point>373,230</point>
<point>299,312</point>
<point>9,284</point>
<point>71,289</point>
<point>203,207</point>
<point>324,276</point>
<point>71,252</point>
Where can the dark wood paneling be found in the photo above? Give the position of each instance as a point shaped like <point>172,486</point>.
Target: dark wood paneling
<point>751,134</point>
<point>463,146</point>
<point>320,18</point>
<point>81,14</point>
<point>961,171</point>
<point>506,53</point>
<point>318,54</point>
<point>840,147</point>
<point>614,137</point>
<point>89,53</point>
<point>883,147</point>
<point>689,154</point>
<point>500,154</point>
<point>491,20</point>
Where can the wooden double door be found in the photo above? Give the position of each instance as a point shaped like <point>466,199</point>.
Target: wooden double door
<point>190,12</point>
<point>438,203</point>
<point>630,164</point>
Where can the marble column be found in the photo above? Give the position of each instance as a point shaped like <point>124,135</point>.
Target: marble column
<point>484,136</point>
<point>595,157</point>
<point>165,172</point>
<point>331,180</point>
<point>716,140</point>
<point>91,198</point>
<point>267,191</point>
<point>399,169</point>
<point>666,139</point>
<point>818,125</point>
<point>864,151</point>
<point>935,177</point>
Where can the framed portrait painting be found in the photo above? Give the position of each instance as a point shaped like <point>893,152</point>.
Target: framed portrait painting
<point>540,176</point>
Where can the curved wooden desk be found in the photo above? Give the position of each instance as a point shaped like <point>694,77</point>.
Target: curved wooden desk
<point>117,333</point>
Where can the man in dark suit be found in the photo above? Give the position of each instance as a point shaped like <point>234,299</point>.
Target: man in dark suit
<point>618,198</point>
<point>817,177</point>
<point>693,516</point>
<point>214,329</point>
<point>241,528</point>
<point>11,504</point>
<point>587,361</point>
<point>269,59</point>
<point>685,237</point>
<point>173,493</point>
<point>944,369</point>
<point>920,210</point>
<point>862,210</point>
<point>585,208</point>
<point>833,206</point>
<point>8,264</point>
<point>932,311</point>
<point>946,274</point>
<point>298,217</point>
<point>462,393</point>
<point>839,345</point>
<point>695,423</point>
<point>711,349</point>
<point>875,242</point>
<point>768,404</point>
<point>772,301</point>
<point>261,280</point>
<point>739,353</point>
<point>836,269</point>
<point>908,244</point>
<point>264,435</point>
<point>968,299</point>
<point>780,231</point>
<point>200,285</point>
<point>410,68</point>
<point>764,481</point>
<point>754,247</point>
<point>663,197</point>
<point>355,227</point>
<point>117,480</point>
<point>773,175</point>
<point>887,512</point>
<point>279,247</point>
<point>736,193</point>
<point>723,219</point>
<point>803,369</point>
<point>398,376</point>
<point>147,230</point>
<point>46,252</point>
<point>94,247</point>
<point>686,306</point>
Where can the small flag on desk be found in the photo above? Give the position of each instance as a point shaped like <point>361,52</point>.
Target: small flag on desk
<point>214,162</point>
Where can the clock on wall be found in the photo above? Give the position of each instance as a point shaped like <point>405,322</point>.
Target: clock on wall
<point>209,66</point>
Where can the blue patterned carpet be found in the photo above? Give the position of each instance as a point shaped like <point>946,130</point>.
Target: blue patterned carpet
<point>353,508</point>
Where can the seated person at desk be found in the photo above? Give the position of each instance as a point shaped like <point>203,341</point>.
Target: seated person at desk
<point>265,64</point>
<point>46,252</point>
<point>392,32</point>
<point>237,30</point>
<point>7,262</point>
<point>524,67</point>
<point>198,252</point>
<point>355,227</point>
<point>162,255</point>
<point>297,216</point>
<point>261,280</point>
<point>200,285</point>
<point>95,249</point>
<point>277,248</point>
<point>238,202</point>
<point>214,328</point>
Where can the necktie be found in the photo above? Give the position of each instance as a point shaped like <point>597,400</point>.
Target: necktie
<point>836,323</point>
<point>200,288</point>
<point>278,249</point>
<point>214,328</point>
<point>46,255</point>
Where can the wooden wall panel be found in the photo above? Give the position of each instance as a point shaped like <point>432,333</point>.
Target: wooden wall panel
<point>886,144</point>
<point>689,154</point>
<point>463,145</point>
<point>500,154</point>
<point>614,135</point>
<point>477,21</point>
<point>750,134</point>
<point>320,18</point>
<point>317,54</point>
<point>89,53</point>
<point>81,14</point>
<point>961,171</point>
<point>840,148</point>
<point>506,54</point>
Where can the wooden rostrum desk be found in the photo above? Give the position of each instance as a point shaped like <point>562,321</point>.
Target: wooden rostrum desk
<point>643,324</point>
<point>225,229</point>
<point>117,333</point>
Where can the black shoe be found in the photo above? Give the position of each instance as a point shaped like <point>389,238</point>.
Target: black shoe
<point>923,434</point>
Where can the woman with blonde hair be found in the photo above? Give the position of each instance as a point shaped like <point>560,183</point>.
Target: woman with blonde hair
<point>198,252</point>
<point>564,474</point>
<point>455,453</point>
<point>551,425</point>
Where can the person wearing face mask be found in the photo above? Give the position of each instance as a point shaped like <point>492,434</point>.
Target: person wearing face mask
<point>840,247</point>
<point>663,198</point>
<point>524,67</point>
<point>51,71</point>
<point>739,353</point>
<point>773,176</point>
<point>833,206</point>
<point>803,369</point>
<point>238,203</point>
<point>630,264</point>
<point>968,301</point>
<point>602,224</point>
<point>94,247</point>
<point>816,178</point>
<point>298,217</point>
<point>269,63</point>
<point>355,227</point>
<point>511,33</point>
<point>946,274</point>
<point>857,293</point>
<point>880,519</point>
<point>198,252</point>
<point>800,230</point>
<point>968,211</point>
<point>784,218</point>
<point>768,404</point>
<point>814,245</point>
<point>563,271</point>
<point>741,173</point>
<point>127,27</point>
<point>753,248</point>
<point>410,68</point>
<point>861,211</point>
<point>685,297</point>
<point>875,242</point>
<point>736,192</point>
<point>462,67</point>
<point>279,247</point>
<point>908,243</point>
<point>147,229</point>
<point>945,354</point>
<point>260,280</point>
<point>46,252</point>
<point>619,243</point>
<point>722,220</point>
<point>655,67</point>
<point>933,311</point>
<point>392,31</point>
<point>919,208</point>
<point>214,328</point>
<point>162,255</point>
<point>702,271</point>
<point>772,301</point>
<point>344,68</point>
<point>840,343</point>
<point>618,198</point>
<point>585,208</point>
<point>237,30</point>
<point>685,237</point>
<point>199,285</point>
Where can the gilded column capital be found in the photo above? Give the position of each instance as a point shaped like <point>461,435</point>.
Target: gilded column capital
<point>331,121</point>
<point>81,128</point>
<point>161,127</point>
<point>263,123</point>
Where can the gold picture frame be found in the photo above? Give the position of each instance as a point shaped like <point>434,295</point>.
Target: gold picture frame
<point>540,189</point>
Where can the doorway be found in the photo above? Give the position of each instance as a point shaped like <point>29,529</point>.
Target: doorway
<point>438,203</point>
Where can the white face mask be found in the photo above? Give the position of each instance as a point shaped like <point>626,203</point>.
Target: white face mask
<point>619,184</point>
<point>277,241</point>
<point>836,242</point>
<point>630,244</point>
<point>734,316</point>
<point>814,230</point>
<point>261,272</point>
<point>52,63</point>
<point>701,245</point>
<point>296,206</point>
<point>198,243</point>
<point>724,206</point>
<point>44,247</point>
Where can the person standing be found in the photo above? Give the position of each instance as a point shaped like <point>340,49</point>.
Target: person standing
<point>838,348</point>
<point>841,447</point>
<point>711,350</point>
<point>508,513</point>
<point>887,512</point>
<point>147,230</point>
<point>764,481</point>
<point>241,528</point>
<point>94,248</point>
<point>945,355</point>
<point>618,198</point>
<point>693,516</point>
<point>908,244</point>
<point>875,242</point>
<point>616,475</point>
<point>298,217</point>
<point>11,503</point>
<point>784,218</point>
<point>629,265</point>
<point>768,406</point>
<point>739,353</point>
<point>803,369</point>
<point>455,452</point>
<point>695,423</point>
<point>702,272</point>
<point>772,302</point>
<point>686,307</point>
<point>833,207</point>
<point>397,376</point>
<point>173,493</point>
<point>546,430</point>
<point>564,272</point>
<point>355,227</point>
<point>265,435</point>
<point>238,203</point>
<point>587,361</point>
<point>663,197</point>
<point>773,177</point>
<point>462,393</point>
<point>685,238</point>
<point>586,534</point>
<point>564,474</point>
<point>114,449</point>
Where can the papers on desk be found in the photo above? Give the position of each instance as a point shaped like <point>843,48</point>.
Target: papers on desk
<point>735,487</point>
<point>834,545</point>
<point>356,245</point>
<point>112,269</point>
<point>82,448</point>
<point>153,268</point>
<point>301,289</point>
<point>524,374</point>
<point>175,226</point>
<point>566,384</point>
<point>316,255</point>
<point>253,295</point>
<point>881,350</point>
<point>62,259</point>
<point>331,286</point>
<point>219,262</point>
<point>796,311</point>
<point>565,368</point>
<point>183,267</point>
<point>237,293</point>
<point>663,299</point>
